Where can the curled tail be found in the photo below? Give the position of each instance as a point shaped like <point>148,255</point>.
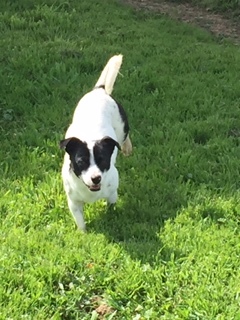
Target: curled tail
<point>109,73</point>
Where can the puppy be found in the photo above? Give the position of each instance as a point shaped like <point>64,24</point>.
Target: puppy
<point>98,130</point>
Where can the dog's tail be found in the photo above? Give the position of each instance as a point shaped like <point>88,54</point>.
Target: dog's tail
<point>109,74</point>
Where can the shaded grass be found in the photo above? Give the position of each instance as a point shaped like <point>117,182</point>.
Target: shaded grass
<point>170,247</point>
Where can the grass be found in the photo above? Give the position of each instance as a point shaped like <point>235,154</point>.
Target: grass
<point>170,248</point>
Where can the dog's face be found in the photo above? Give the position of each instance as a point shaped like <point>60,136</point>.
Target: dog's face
<point>90,164</point>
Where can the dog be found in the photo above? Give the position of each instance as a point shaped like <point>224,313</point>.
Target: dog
<point>98,130</point>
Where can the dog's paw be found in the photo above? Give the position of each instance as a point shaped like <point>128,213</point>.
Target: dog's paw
<point>127,147</point>
<point>82,230</point>
<point>112,199</point>
<point>111,206</point>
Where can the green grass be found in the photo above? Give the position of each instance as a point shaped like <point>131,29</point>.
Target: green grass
<point>170,249</point>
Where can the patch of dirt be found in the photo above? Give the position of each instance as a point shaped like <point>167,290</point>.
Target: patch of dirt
<point>215,23</point>
<point>101,307</point>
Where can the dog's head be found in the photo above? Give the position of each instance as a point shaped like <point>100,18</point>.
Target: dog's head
<point>90,164</point>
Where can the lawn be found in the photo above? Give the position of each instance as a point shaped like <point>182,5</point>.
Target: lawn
<point>170,249</point>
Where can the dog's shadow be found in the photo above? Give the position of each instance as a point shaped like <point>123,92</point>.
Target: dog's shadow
<point>135,222</point>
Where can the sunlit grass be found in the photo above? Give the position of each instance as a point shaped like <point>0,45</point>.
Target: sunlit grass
<point>170,248</point>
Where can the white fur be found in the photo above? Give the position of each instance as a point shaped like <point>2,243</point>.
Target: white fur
<point>95,117</point>
<point>109,73</point>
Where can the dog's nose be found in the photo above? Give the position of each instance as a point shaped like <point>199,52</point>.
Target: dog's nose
<point>96,179</point>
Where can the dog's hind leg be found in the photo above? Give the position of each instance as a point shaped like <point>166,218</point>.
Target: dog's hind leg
<point>76,209</point>
<point>127,146</point>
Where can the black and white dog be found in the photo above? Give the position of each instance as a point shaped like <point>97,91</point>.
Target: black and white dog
<point>98,129</point>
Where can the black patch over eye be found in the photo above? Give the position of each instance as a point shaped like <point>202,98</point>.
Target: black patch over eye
<point>79,154</point>
<point>102,163</point>
<point>102,152</point>
<point>81,161</point>
<point>102,158</point>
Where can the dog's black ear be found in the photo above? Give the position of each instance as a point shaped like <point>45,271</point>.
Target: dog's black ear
<point>110,142</point>
<point>71,145</point>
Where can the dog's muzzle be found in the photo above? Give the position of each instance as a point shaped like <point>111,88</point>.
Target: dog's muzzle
<point>95,187</point>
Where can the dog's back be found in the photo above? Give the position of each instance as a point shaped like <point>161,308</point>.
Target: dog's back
<point>94,116</point>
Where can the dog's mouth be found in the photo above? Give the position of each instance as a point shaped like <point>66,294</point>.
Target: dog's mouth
<point>95,187</point>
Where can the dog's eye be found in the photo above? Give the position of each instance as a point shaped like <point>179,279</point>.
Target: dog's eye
<point>82,160</point>
<point>99,159</point>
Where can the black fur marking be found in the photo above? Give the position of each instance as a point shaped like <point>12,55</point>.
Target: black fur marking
<point>124,119</point>
<point>79,154</point>
<point>102,86</point>
<point>102,152</point>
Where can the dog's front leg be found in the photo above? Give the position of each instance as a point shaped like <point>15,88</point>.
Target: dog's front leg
<point>112,199</point>
<point>76,209</point>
